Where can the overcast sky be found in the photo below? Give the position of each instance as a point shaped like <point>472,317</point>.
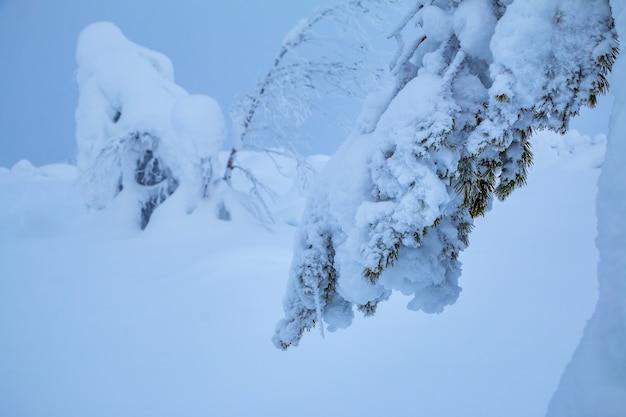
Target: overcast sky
<point>219,48</point>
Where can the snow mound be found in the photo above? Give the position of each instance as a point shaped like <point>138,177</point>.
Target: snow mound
<point>137,131</point>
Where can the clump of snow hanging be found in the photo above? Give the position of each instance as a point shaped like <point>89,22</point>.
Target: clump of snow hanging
<point>135,127</point>
<point>436,23</point>
<point>474,23</point>
<point>522,48</point>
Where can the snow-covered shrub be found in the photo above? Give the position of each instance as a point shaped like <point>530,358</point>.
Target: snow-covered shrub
<point>136,130</point>
<point>395,206</point>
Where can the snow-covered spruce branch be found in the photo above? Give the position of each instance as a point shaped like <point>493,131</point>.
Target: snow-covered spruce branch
<point>395,207</point>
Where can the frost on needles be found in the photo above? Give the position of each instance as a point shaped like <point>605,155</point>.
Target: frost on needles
<point>395,206</point>
<point>139,134</point>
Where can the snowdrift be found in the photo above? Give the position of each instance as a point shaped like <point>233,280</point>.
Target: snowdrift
<point>100,319</point>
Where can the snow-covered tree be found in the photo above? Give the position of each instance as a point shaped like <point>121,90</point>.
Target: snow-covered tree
<point>594,383</point>
<point>395,206</point>
<point>137,131</point>
<point>327,55</point>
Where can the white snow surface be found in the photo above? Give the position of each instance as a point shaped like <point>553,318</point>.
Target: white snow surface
<point>100,319</point>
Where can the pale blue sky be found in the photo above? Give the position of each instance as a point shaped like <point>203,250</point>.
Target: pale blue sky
<point>218,48</point>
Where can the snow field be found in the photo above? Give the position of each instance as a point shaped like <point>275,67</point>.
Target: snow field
<point>101,319</point>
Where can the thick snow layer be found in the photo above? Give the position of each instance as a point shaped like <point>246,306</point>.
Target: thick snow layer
<point>100,319</point>
<point>474,23</point>
<point>511,40</point>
